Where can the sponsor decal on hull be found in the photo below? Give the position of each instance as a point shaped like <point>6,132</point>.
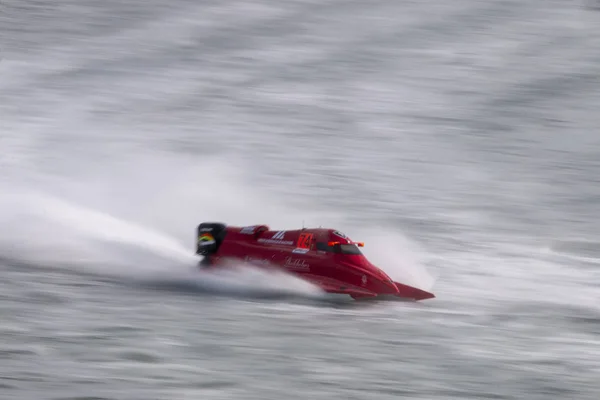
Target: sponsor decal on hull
<point>300,251</point>
<point>206,239</point>
<point>248,230</point>
<point>279,235</point>
<point>275,241</point>
<point>278,238</point>
<point>256,261</point>
<point>296,264</point>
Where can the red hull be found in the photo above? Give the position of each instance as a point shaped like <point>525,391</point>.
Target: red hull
<point>324,257</point>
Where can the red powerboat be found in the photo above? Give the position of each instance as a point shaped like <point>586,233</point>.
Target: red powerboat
<point>325,257</point>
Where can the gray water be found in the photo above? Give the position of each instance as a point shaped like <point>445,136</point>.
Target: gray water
<point>459,140</point>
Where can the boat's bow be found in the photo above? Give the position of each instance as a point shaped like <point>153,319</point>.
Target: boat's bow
<point>411,292</point>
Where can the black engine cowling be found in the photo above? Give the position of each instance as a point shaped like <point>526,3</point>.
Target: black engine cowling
<point>209,237</point>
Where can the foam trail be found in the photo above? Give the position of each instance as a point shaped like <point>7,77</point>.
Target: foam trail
<point>51,230</point>
<point>240,280</point>
<point>94,241</point>
<point>102,226</point>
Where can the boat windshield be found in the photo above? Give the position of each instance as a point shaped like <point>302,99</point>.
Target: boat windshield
<point>350,249</point>
<point>339,249</point>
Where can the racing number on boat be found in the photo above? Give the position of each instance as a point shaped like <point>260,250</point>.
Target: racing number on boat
<point>305,240</point>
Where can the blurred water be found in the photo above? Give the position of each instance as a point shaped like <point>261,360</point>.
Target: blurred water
<point>458,140</point>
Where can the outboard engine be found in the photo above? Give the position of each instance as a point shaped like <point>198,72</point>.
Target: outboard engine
<point>209,237</point>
